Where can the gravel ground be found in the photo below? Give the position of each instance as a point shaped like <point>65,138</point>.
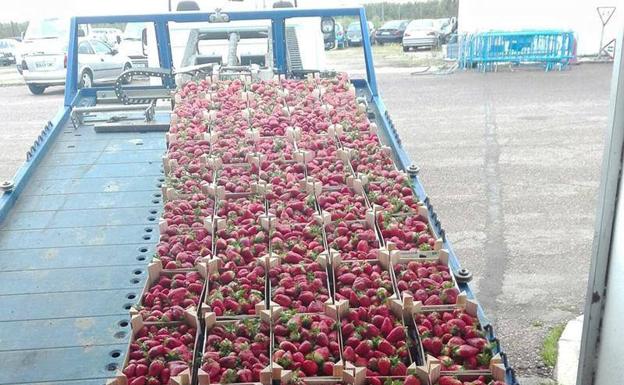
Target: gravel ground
<point>511,162</point>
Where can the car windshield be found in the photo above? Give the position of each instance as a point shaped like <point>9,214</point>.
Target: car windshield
<point>394,24</point>
<point>47,29</point>
<point>354,27</point>
<point>133,31</point>
<point>421,24</point>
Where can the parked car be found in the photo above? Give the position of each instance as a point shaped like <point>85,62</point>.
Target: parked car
<point>98,63</point>
<point>110,36</point>
<point>421,33</point>
<point>341,41</point>
<point>7,51</point>
<point>391,32</point>
<point>131,44</point>
<point>354,33</point>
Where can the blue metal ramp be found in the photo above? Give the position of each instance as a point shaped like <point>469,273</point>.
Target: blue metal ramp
<point>73,252</point>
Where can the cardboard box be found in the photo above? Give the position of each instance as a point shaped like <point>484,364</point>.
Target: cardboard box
<point>136,323</point>
<point>210,322</point>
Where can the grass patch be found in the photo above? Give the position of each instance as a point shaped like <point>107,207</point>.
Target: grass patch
<point>537,324</point>
<point>549,346</point>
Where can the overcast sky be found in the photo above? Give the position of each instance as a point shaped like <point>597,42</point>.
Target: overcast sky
<point>24,10</point>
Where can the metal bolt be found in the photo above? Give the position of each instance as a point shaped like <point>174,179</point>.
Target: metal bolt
<point>7,186</point>
<point>463,275</point>
<point>413,170</point>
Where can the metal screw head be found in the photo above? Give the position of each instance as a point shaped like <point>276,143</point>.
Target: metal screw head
<point>7,186</point>
<point>413,170</point>
<point>463,275</point>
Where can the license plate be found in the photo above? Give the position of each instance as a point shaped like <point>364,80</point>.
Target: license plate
<point>43,64</point>
<point>385,33</point>
<point>355,39</point>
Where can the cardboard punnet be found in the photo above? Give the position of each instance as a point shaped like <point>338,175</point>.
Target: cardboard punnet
<point>215,266</point>
<point>367,223</point>
<point>278,372</point>
<point>414,252</point>
<point>210,321</point>
<point>395,306</point>
<point>381,260</point>
<point>276,261</point>
<point>155,271</point>
<point>463,303</point>
<point>136,324</point>
<point>432,371</point>
<point>397,259</point>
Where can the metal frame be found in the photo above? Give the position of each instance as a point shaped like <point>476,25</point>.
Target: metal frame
<point>601,345</point>
<point>73,97</point>
<point>161,25</point>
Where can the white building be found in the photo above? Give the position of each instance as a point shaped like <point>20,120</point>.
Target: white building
<point>579,16</point>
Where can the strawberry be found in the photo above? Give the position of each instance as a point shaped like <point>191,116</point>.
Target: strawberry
<point>309,367</point>
<point>141,380</point>
<point>349,354</point>
<point>386,348</point>
<point>328,368</point>
<point>384,366</point>
<point>396,334</point>
<point>411,380</point>
<point>466,351</point>
<point>447,380</point>
<point>363,348</point>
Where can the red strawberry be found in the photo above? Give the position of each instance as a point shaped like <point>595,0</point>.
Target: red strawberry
<point>411,380</point>
<point>155,368</point>
<point>384,366</point>
<point>141,370</point>
<point>386,326</point>
<point>396,334</point>
<point>466,351</point>
<point>447,380</point>
<point>227,276</point>
<point>349,354</point>
<point>141,380</point>
<point>309,367</point>
<point>399,369</point>
<point>363,348</point>
<point>328,368</point>
<point>386,348</point>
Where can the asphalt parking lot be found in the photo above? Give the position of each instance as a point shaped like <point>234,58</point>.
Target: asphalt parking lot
<point>511,162</point>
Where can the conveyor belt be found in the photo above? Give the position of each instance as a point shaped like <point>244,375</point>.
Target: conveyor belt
<point>73,252</point>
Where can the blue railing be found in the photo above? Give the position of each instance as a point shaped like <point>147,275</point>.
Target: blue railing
<point>551,48</point>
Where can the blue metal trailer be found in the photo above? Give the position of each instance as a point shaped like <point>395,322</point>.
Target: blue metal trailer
<point>79,222</point>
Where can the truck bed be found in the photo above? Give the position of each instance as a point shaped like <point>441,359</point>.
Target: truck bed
<point>73,252</point>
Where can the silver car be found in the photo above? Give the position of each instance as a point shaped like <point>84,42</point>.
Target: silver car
<point>421,33</point>
<point>44,56</point>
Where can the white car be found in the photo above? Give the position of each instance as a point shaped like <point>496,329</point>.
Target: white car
<point>131,44</point>
<point>43,54</point>
<point>421,33</point>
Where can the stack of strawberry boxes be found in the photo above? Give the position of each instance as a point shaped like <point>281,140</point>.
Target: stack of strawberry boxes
<point>293,251</point>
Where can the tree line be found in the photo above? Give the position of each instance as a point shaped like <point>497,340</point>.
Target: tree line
<point>432,9</point>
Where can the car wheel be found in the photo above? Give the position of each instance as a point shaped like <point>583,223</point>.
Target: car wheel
<point>86,80</point>
<point>127,67</point>
<point>35,89</point>
<point>405,49</point>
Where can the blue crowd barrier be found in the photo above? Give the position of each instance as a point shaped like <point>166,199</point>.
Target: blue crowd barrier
<point>552,48</point>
